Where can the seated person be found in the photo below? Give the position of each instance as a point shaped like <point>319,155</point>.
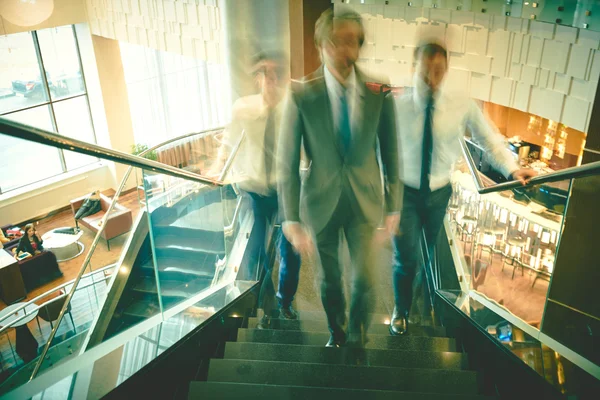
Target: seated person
<point>90,207</point>
<point>30,242</point>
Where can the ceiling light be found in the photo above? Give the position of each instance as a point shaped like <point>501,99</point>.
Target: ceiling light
<point>26,12</point>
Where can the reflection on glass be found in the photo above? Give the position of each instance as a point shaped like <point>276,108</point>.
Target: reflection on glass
<point>73,120</point>
<point>21,83</point>
<point>31,162</point>
<point>508,241</point>
<point>187,233</point>
<point>61,61</point>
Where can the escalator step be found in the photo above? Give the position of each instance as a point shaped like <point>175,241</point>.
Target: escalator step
<point>351,356</point>
<point>343,376</point>
<point>414,343</point>
<point>226,391</point>
<point>375,318</point>
<point>321,326</point>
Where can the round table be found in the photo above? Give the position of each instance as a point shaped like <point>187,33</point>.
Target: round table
<point>64,246</point>
<point>27,346</point>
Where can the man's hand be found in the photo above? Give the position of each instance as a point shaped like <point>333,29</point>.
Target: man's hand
<point>523,175</point>
<point>392,224</point>
<point>300,239</point>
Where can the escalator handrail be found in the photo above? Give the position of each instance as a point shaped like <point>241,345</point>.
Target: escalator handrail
<point>590,169</point>
<point>95,242</point>
<point>48,138</point>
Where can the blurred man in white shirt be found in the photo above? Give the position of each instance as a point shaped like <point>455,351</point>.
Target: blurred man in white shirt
<point>430,125</point>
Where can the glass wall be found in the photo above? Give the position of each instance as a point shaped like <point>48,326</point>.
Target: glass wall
<point>42,85</point>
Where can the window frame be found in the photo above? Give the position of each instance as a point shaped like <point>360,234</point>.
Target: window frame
<point>50,104</point>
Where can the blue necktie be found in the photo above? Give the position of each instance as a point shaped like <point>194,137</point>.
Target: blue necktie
<point>427,146</point>
<point>344,123</point>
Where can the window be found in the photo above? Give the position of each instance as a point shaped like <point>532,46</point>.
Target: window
<point>42,85</point>
<point>171,95</point>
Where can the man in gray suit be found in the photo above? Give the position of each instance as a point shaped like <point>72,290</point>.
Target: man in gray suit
<point>339,123</point>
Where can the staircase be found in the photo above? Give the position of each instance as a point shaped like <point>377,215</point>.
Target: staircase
<point>290,361</point>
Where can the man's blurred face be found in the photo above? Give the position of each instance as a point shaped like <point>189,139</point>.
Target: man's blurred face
<point>432,70</point>
<point>270,78</point>
<point>342,48</point>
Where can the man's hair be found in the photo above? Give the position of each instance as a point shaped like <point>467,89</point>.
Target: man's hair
<point>267,55</point>
<point>324,25</point>
<point>430,50</point>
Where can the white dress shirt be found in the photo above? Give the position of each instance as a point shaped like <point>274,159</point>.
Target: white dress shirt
<point>250,115</point>
<point>452,116</point>
<point>335,91</point>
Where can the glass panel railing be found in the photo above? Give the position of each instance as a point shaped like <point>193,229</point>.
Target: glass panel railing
<point>26,326</point>
<point>507,241</point>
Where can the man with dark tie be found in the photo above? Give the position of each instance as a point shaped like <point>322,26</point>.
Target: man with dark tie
<point>430,125</point>
<point>254,171</point>
<point>339,123</point>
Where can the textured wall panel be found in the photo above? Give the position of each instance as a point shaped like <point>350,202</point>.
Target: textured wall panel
<point>554,55</point>
<point>462,18</point>
<point>515,70</point>
<point>589,39</point>
<point>543,76</point>
<point>518,41</point>
<point>480,64</point>
<point>542,30</point>
<point>521,97</point>
<point>580,89</point>
<point>575,113</point>
<point>529,75</point>
<point>566,34</point>
<point>502,91</point>
<point>578,61</point>
<point>534,53</point>
<point>455,38</point>
<point>480,86</point>
<point>562,83</point>
<point>458,80</point>
<point>546,103</point>
<point>476,40</point>
<point>459,61</point>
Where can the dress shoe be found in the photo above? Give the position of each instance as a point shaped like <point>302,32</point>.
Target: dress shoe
<point>287,312</point>
<point>264,323</point>
<point>399,324</point>
<point>336,341</point>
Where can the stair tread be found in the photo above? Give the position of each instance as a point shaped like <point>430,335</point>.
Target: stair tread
<point>145,308</point>
<point>172,287</point>
<point>321,326</point>
<point>230,390</point>
<point>182,266</point>
<point>324,355</point>
<point>343,376</point>
<point>188,244</point>
<point>375,341</point>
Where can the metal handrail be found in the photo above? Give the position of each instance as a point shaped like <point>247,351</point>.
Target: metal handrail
<point>47,293</point>
<point>581,171</point>
<point>48,138</point>
<point>233,154</point>
<point>98,237</point>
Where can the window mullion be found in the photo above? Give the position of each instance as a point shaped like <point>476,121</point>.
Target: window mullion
<point>38,53</point>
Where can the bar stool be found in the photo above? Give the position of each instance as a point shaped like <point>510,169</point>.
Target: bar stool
<point>514,251</point>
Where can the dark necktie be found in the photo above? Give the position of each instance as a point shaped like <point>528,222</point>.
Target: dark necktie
<point>269,144</point>
<point>344,123</point>
<point>427,146</point>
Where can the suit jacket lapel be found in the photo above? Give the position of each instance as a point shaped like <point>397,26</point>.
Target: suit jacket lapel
<point>322,106</point>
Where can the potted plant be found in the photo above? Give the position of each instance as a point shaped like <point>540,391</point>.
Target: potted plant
<point>139,148</point>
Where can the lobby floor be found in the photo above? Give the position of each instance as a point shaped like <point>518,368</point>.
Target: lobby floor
<point>81,311</point>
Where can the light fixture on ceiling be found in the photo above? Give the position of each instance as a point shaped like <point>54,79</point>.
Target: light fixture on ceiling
<point>26,12</point>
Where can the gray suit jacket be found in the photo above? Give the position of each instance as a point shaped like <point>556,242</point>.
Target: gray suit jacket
<point>308,122</point>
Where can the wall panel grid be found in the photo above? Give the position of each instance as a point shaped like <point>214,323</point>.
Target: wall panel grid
<point>188,27</point>
<point>537,67</point>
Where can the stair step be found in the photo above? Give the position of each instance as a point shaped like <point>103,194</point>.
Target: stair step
<point>350,356</point>
<point>172,288</point>
<point>248,391</point>
<point>148,307</point>
<point>343,376</point>
<point>321,326</point>
<point>414,343</point>
<point>376,318</point>
<point>171,268</point>
<point>197,245</point>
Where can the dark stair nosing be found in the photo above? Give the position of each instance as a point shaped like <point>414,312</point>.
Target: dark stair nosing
<point>172,288</point>
<point>417,343</point>
<point>323,355</point>
<point>230,390</point>
<point>375,318</point>
<point>343,376</point>
<point>321,326</point>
